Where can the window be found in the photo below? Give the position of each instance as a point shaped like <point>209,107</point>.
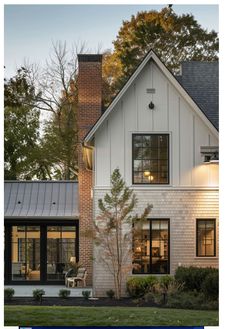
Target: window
<point>42,252</point>
<point>206,238</point>
<point>151,247</point>
<point>150,159</point>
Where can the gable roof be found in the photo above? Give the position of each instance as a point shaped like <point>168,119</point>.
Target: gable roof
<point>151,55</point>
<point>201,81</point>
<point>41,199</point>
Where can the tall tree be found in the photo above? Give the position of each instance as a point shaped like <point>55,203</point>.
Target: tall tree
<point>21,126</point>
<point>175,38</point>
<point>114,230</point>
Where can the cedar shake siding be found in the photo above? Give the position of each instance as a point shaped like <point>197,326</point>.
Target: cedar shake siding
<point>182,208</point>
<point>89,110</point>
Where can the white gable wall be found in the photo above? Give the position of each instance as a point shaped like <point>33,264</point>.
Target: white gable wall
<point>173,115</point>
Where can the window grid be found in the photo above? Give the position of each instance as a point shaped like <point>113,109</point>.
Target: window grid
<point>150,163</point>
<point>202,241</point>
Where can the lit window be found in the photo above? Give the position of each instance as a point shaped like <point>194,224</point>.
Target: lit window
<point>151,247</point>
<point>206,238</point>
<point>151,159</point>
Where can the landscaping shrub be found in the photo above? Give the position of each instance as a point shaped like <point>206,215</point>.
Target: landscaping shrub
<point>38,294</point>
<point>8,293</point>
<point>86,294</point>
<point>210,286</point>
<point>64,293</point>
<point>165,286</point>
<point>138,287</point>
<point>149,297</point>
<point>193,277</point>
<point>110,293</point>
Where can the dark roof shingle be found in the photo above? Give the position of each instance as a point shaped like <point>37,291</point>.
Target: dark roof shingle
<point>201,81</point>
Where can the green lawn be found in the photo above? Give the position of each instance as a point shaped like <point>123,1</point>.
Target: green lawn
<point>106,316</point>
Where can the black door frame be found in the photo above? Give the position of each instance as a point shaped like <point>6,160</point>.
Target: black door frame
<point>43,248</point>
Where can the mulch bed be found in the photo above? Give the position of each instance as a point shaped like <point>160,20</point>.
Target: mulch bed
<point>78,301</point>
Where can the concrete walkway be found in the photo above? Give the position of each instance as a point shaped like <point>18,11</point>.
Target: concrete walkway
<point>50,291</point>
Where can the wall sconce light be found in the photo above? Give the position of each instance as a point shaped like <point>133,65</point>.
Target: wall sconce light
<point>210,153</point>
<point>151,106</point>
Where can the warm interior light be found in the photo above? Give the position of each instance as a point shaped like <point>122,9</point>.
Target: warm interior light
<point>150,178</point>
<point>147,173</point>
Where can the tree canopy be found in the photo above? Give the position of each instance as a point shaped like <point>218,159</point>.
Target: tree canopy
<point>175,38</point>
<point>21,126</point>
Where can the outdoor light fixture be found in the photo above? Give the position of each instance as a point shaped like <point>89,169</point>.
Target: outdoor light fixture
<point>210,153</point>
<point>151,105</point>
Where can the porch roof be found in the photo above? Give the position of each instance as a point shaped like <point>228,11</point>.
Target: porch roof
<point>41,199</point>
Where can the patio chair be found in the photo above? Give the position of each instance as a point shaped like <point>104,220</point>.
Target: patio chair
<point>81,276</point>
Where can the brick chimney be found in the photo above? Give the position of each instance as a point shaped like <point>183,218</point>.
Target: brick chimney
<point>89,110</point>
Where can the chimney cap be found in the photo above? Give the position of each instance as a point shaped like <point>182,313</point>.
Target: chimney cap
<point>89,57</point>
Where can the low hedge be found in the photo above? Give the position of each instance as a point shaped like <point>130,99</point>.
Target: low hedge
<point>138,286</point>
<point>194,277</point>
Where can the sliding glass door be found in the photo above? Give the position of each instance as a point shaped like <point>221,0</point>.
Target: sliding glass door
<point>41,253</point>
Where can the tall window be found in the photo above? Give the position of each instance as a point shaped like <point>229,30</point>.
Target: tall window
<point>151,247</point>
<point>60,250</point>
<point>25,256</point>
<point>151,159</point>
<point>206,238</point>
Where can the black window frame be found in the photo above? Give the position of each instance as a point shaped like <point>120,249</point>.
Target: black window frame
<point>198,220</point>
<point>43,248</point>
<point>168,160</point>
<point>150,261</point>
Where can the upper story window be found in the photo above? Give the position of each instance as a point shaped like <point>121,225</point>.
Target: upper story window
<point>206,237</point>
<point>150,159</point>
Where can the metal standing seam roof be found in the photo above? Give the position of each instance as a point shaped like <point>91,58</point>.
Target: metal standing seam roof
<point>41,199</point>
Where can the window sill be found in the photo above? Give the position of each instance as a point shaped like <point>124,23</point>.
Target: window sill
<point>207,257</point>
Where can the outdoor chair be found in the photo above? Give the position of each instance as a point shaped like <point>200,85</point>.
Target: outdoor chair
<point>81,276</point>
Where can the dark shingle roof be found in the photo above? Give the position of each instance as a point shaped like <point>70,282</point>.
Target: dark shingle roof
<point>201,81</point>
<point>41,199</point>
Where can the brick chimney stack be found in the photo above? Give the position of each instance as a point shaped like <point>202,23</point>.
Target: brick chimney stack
<point>89,110</point>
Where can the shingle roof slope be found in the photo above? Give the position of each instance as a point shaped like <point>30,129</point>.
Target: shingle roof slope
<point>201,81</point>
<point>41,199</point>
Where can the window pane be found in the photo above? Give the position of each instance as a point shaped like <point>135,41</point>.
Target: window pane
<point>150,156</point>
<point>151,248</point>
<point>205,238</point>
<point>26,253</point>
<point>60,250</point>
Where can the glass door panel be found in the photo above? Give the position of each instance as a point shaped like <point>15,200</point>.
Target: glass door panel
<point>60,251</point>
<point>25,256</point>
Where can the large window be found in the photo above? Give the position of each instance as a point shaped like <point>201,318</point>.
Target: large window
<point>41,252</point>
<point>60,250</point>
<point>151,247</point>
<point>150,159</point>
<point>25,247</point>
<point>206,238</point>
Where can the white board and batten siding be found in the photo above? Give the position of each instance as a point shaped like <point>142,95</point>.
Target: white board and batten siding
<point>172,114</point>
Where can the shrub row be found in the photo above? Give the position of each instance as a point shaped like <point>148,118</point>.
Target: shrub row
<point>195,279</point>
<point>199,279</point>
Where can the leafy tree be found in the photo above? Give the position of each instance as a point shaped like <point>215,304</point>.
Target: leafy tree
<point>175,38</point>
<point>114,229</point>
<point>21,126</point>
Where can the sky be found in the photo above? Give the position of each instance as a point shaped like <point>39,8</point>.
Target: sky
<point>29,30</point>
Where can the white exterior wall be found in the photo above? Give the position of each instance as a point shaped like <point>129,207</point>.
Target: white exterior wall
<point>193,189</point>
<point>173,115</point>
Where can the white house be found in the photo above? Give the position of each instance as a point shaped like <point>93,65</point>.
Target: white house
<point>158,137</point>
<point>161,131</point>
